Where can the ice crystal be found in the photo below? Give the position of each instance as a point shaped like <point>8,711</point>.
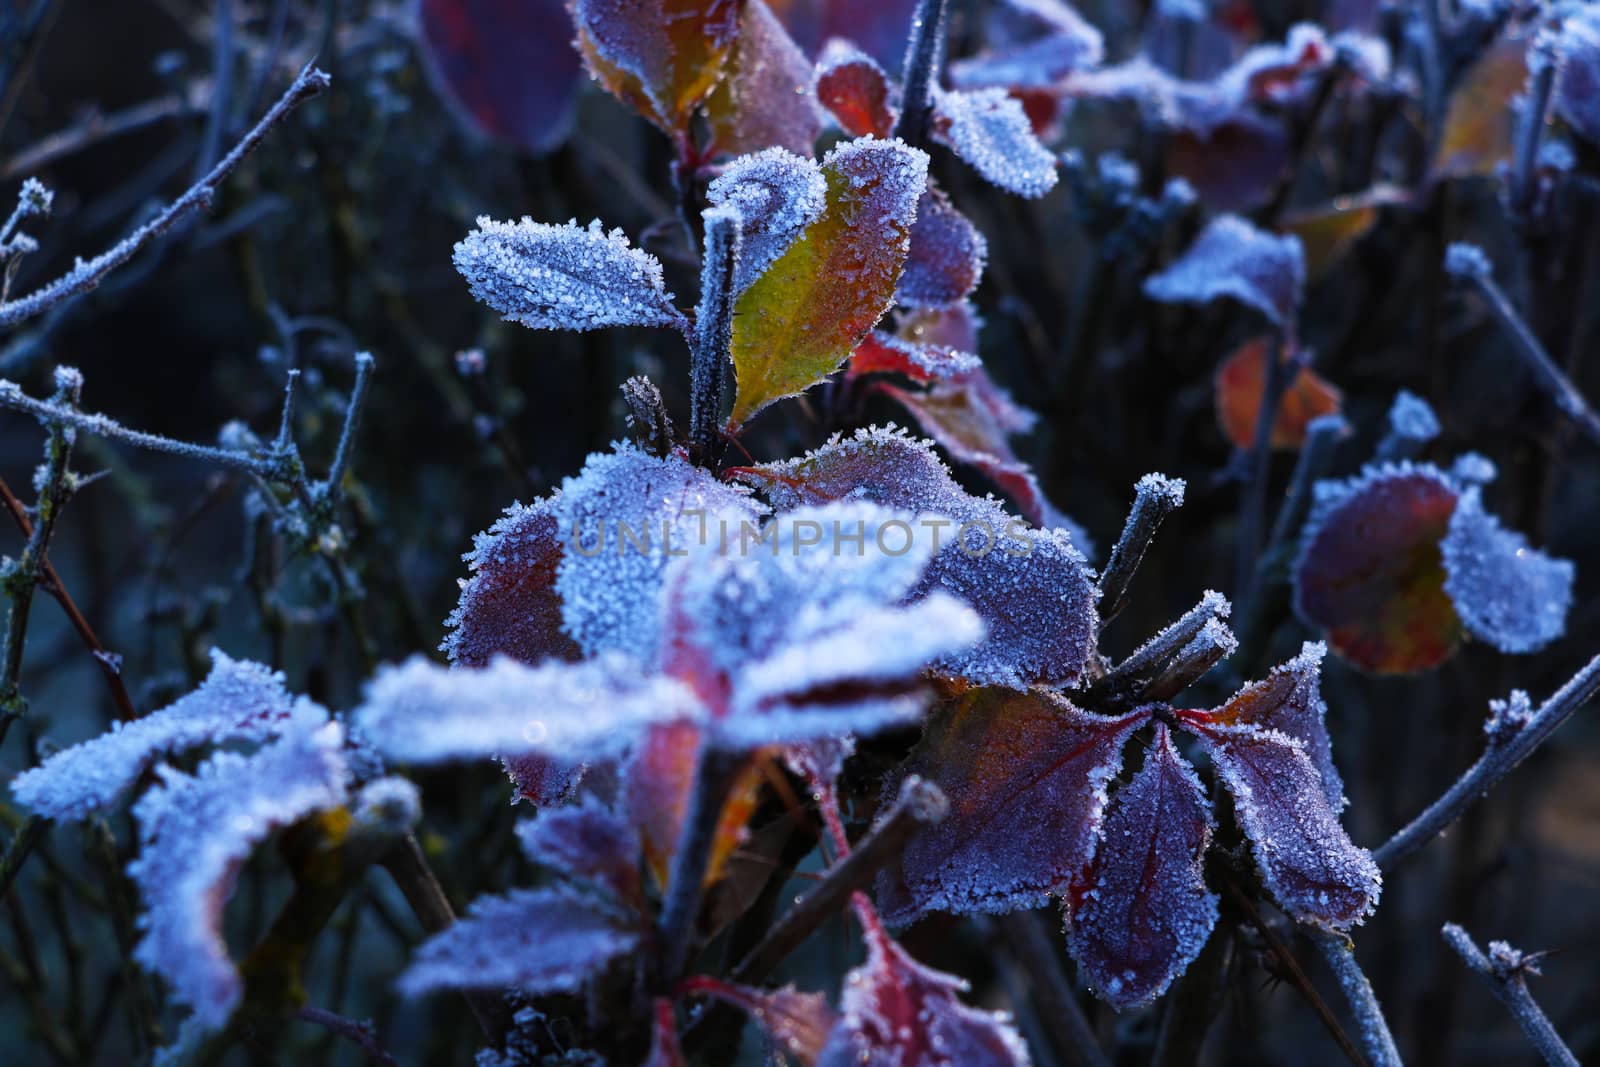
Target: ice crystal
<point>1030,586</point>
<point>623,519</point>
<point>989,130</point>
<point>1145,913</point>
<point>1033,44</point>
<point>1232,258</point>
<point>238,701</point>
<point>1509,594</point>
<point>778,194</point>
<point>564,277</point>
<point>1467,261</point>
<point>1508,717</point>
<point>538,941</point>
<point>194,833</point>
<point>946,258</point>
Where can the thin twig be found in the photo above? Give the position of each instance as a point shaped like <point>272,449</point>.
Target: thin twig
<point>1375,1036</point>
<point>87,276</point>
<point>352,422</point>
<point>919,804</point>
<point>360,1032</point>
<point>1154,498</point>
<point>1498,760</point>
<point>18,849</point>
<point>1506,971</point>
<point>1467,263</point>
<point>92,130</point>
<point>1530,129</point>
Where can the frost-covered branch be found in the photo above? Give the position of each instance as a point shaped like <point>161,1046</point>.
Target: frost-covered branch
<point>1154,498</point>
<point>1511,740</point>
<point>352,422</point>
<point>919,804</point>
<point>1060,1013</point>
<point>1187,647</point>
<point>1375,1036</point>
<point>358,1031</point>
<point>921,72</point>
<point>713,331</point>
<point>1505,970</point>
<point>1467,263</point>
<point>1530,128</point>
<point>87,275</point>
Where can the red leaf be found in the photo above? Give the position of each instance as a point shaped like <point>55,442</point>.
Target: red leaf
<point>898,1013</point>
<point>1029,586</point>
<point>1144,914</point>
<point>1026,774</point>
<point>509,607</point>
<point>1371,573</point>
<point>798,1022</point>
<point>855,90</point>
<point>508,66</point>
<point>1307,861</point>
<point>765,99</point>
<point>1240,383</point>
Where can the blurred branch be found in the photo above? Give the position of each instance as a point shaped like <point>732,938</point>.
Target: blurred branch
<point>91,130</point>
<point>87,275</point>
<point>1506,970</point>
<point>1500,758</point>
<point>1059,1010</point>
<point>360,1033</point>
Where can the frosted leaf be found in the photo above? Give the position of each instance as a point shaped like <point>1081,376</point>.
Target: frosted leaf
<point>855,90</point>
<point>1144,914</point>
<point>509,607</point>
<point>1289,700</point>
<point>420,712</point>
<point>778,195</point>
<point>895,1012</point>
<point>623,519</point>
<point>1026,775</point>
<point>1577,90</point>
<point>890,353</point>
<point>798,634</point>
<point>195,831</point>
<point>238,701</point>
<point>1029,586</point>
<point>797,1022</point>
<point>564,277</point>
<point>1370,571</point>
<point>1307,861</point>
<point>1033,44</point>
<point>1507,593</point>
<point>946,258</point>
<point>989,130</point>
<point>588,843</point>
<point>541,780</point>
<point>1232,258</point>
<point>538,941</point>
<point>765,99</point>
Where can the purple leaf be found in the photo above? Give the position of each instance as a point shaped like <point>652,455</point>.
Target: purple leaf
<point>899,1013</point>
<point>538,941</point>
<point>989,130</point>
<point>1026,774</point>
<point>588,843</point>
<point>238,701</point>
<point>1232,258</point>
<point>946,258</point>
<point>1289,700</point>
<point>1144,913</point>
<point>1509,594</point>
<point>1029,586</point>
<point>624,518</point>
<point>1307,861</point>
<point>1577,94</point>
<point>778,194</point>
<point>564,277</point>
<point>507,65</point>
<point>195,831</point>
<point>765,98</point>
<point>509,607</point>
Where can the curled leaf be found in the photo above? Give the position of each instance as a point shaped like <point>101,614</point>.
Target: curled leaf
<point>800,320</point>
<point>1144,913</point>
<point>797,1022</point>
<point>855,90</point>
<point>564,277</point>
<point>1026,774</point>
<point>535,940</point>
<point>238,701</point>
<point>778,194</point>
<point>1289,700</point>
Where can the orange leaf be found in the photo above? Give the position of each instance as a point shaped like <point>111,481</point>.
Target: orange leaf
<point>1239,387</point>
<point>800,320</point>
<point>1478,126</point>
<point>1326,233</point>
<point>660,57</point>
<point>658,787</point>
